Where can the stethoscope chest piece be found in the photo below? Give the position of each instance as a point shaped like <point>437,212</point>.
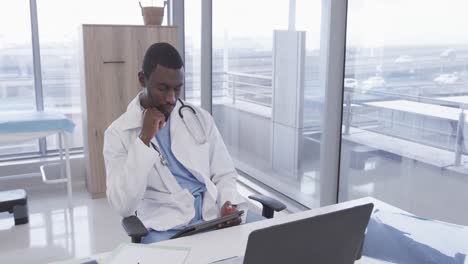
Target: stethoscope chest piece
<point>161,157</point>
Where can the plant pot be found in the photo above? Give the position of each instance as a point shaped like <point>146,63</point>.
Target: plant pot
<point>152,15</point>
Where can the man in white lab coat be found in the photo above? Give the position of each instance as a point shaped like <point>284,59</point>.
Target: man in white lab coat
<point>171,171</point>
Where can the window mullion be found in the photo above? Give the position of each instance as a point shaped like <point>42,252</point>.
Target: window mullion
<point>38,91</point>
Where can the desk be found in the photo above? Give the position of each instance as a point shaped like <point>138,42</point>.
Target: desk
<point>224,243</point>
<point>23,126</point>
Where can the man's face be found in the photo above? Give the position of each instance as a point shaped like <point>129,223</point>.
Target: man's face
<point>163,86</point>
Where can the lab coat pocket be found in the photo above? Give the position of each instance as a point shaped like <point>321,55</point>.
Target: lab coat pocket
<point>155,182</point>
<point>163,211</point>
<point>163,180</point>
<point>183,198</point>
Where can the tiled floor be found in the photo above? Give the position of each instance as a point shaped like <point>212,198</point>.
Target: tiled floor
<point>57,233</point>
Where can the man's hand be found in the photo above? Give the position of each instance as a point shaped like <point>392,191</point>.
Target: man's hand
<point>228,209</point>
<point>153,120</point>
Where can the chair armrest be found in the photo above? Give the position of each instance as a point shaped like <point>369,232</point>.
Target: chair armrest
<point>270,205</point>
<point>134,228</point>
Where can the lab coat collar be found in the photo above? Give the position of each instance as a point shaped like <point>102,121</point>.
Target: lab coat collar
<point>134,114</point>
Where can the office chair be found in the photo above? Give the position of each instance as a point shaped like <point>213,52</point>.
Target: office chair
<point>136,230</point>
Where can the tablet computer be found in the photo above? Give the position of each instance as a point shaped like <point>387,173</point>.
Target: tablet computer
<point>207,225</point>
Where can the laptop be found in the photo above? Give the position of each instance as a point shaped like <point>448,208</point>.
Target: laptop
<point>335,237</point>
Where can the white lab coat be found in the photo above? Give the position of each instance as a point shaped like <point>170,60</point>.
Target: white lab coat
<point>137,181</point>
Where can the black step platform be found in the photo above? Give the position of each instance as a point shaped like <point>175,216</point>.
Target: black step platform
<point>15,202</point>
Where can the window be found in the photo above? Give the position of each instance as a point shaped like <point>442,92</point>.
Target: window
<point>192,51</point>
<point>404,122</point>
<point>267,99</point>
<point>59,36</point>
<point>59,50</point>
<point>16,68</point>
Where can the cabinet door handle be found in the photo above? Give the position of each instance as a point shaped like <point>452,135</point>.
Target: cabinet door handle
<point>116,61</point>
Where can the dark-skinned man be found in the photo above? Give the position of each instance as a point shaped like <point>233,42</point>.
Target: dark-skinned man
<point>172,171</point>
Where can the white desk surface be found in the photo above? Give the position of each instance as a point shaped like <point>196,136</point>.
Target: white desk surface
<point>224,243</point>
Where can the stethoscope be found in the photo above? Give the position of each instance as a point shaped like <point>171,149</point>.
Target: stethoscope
<point>190,121</point>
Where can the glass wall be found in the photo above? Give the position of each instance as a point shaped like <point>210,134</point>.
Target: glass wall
<point>192,32</point>
<point>59,36</point>
<point>406,90</point>
<point>16,69</point>
<point>58,23</point>
<point>266,96</point>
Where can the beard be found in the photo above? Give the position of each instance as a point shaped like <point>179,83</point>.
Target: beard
<point>166,110</point>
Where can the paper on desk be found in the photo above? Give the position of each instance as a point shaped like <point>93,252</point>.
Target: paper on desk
<point>147,254</point>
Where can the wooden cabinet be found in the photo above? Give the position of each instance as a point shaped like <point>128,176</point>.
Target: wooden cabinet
<point>111,58</point>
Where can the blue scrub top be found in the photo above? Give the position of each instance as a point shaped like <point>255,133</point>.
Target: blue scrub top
<point>185,179</point>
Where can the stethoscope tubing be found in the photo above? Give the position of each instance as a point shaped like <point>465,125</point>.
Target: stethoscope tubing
<point>161,156</point>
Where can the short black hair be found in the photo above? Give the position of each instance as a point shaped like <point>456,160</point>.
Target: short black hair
<point>161,53</point>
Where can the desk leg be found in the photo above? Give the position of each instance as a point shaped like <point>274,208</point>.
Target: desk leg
<point>62,167</point>
<point>67,168</point>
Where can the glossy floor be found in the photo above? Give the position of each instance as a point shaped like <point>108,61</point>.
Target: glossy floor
<point>56,232</point>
